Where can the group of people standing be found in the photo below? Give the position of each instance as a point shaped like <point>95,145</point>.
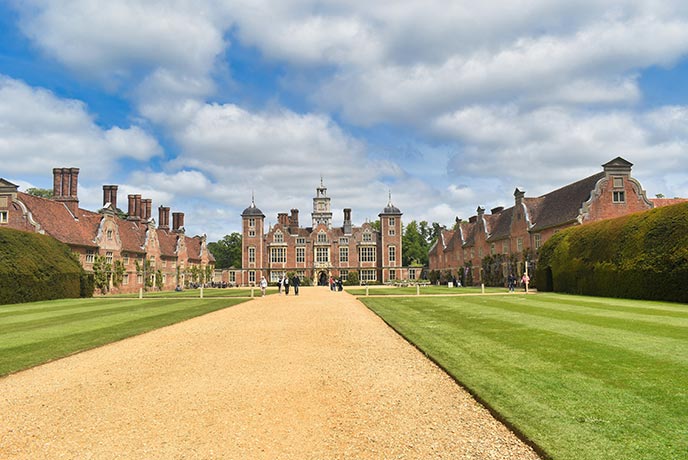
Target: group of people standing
<point>282,282</point>
<point>335,284</point>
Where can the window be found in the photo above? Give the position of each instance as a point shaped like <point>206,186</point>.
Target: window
<point>493,249</point>
<point>251,255</point>
<point>343,240</point>
<point>252,222</point>
<point>322,237</point>
<point>232,277</point>
<point>125,259</point>
<point>480,252</point>
<point>109,234</point>
<point>278,255</point>
<point>392,231</point>
<point>343,253</point>
<point>392,254</point>
<point>505,247</point>
<point>368,275</point>
<point>392,221</point>
<point>139,279</point>
<point>344,274</point>
<point>619,197</point>
<point>519,244</point>
<point>300,240</point>
<point>301,255</point>
<point>275,276</point>
<point>3,217</point>
<point>322,255</point>
<point>618,182</point>
<point>90,255</point>
<point>392,274</point>
<point>279,237</point>
<point>412,273</point>
<point>366,254</point>
<point>367,236</point>
<point>538,241</point>
<point>108,257</point>
<point>251,276</point>
<point>251,233</point>
<point>152,261</point>
<point>125,279</point>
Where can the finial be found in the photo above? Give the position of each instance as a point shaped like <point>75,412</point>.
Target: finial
<point>253,199</point>
<point>321,181</point>
<point>389,203</point>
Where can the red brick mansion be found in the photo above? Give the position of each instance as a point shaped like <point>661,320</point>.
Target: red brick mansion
<point>322,250</point>
<point>124,240</point>
<point>510,236</point>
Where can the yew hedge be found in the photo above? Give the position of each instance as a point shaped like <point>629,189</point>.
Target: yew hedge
<point>37,267</point>
<point>640,256</point>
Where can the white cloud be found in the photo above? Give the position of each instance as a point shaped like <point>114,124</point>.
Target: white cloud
<point>40,128</point>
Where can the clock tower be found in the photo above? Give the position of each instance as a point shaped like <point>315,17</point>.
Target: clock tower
<point>322,212</point>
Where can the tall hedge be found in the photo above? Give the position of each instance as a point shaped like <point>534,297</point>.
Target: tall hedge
<point>37,267</point>
<point>641,256</point>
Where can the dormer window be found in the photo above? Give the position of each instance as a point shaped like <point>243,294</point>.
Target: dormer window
<point>322,237</point>
<point>279,237</point>
<point>109,235</point>
<point>367,237</point>
<point>3,217</point>
<point>619,197</point>
<point>618,182</point>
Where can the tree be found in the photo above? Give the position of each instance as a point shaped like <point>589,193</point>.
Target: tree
<point>42,192</point>
<point>227,251</point>
<point>415,246</point>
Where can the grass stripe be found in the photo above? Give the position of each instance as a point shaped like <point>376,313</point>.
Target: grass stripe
<point>578,389</point>
<point>25,348</point>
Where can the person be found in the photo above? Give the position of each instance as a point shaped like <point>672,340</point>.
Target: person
<point>279,285</point>
<point>285,281</point>
<point>296,282</point>
<point>525,280</point>
<point>263,285</point>
<point>511,282</point>
<point>340,286</point>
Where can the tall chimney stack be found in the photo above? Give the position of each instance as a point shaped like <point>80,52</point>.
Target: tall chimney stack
<point>65,187</point>
<point>347,221</point>
<point>177,221</point>
<point>146,208</point>
<point>132,212</point>
<point>164,218</point>
<point>110,195</point>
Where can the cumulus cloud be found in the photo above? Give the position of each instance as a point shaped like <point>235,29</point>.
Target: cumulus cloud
<point>38,127</point>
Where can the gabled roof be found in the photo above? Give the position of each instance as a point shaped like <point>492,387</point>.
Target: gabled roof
<point>563,205</point>
<point>501,225</point>
<point>57,221</point>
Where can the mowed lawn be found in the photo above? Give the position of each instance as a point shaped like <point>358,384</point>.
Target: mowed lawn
<point>207,293</point>
<point>34,333</point>
<point>581,377</point>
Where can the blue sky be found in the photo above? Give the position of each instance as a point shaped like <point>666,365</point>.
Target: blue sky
<point>447,105</point>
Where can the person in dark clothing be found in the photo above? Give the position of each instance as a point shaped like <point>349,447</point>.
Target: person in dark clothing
<point>296,282</point>
<point>286,285</point>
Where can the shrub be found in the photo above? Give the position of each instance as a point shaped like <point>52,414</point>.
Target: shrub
<point>38,267</point>
<point>642,256</point>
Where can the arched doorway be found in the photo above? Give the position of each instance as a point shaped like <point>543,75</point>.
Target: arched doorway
<point>322,279</point>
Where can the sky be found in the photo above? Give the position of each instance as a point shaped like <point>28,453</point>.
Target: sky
<point>201,105</point>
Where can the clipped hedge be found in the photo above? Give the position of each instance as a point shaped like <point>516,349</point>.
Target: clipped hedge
<point>37,267</point>
<point>640,256</point>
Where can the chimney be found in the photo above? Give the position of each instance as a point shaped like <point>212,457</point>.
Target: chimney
<point>137,206</point>
<point>282,219</point>
<point>294,219</point>
<point>480,211</point>
<point>347,221</point>
<point>110,195</point>
<point>497,210</point>
<point>65,187</point>
<point>177,221</point>
<point>164,218</point>
<point>146,208</point>
<point>518,196</point>
<point>132,212</point>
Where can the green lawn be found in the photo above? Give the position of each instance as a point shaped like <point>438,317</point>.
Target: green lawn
<point>207,292</point>
<point>581,377</point>
<point>424,290</point>
<point>34,333</point>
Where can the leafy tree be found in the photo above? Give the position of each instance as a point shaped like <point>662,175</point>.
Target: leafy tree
<point>227,251</point>
<point>42,192</point>
<point>376,225</point>
<point>415,245</point>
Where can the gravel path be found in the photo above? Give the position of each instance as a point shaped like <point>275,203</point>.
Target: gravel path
<point>311,377</point>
